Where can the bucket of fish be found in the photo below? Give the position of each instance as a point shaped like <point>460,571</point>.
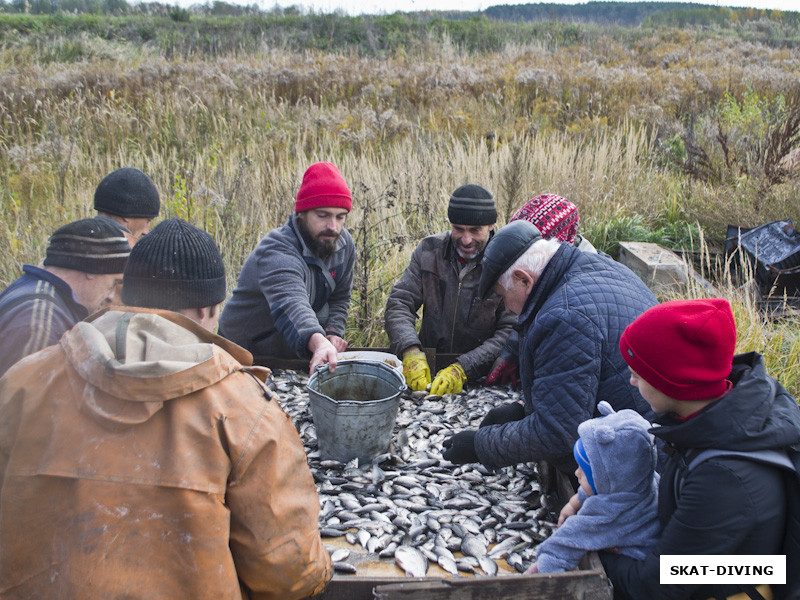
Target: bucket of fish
<point>354,408</point>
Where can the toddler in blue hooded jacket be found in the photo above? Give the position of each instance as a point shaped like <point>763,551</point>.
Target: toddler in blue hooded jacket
<point>617,501</point>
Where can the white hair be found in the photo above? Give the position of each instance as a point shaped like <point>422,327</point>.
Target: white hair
<point>534,260</point>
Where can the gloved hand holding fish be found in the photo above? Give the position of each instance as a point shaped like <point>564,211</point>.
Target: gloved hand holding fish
<point>416,370</point>
<point>449,380</point>
<point>512,411</point>
<point>460,448</point>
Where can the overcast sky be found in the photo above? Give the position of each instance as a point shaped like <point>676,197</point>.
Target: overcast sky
<point>354,7</point>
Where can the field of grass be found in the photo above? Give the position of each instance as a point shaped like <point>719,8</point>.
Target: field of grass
<point>657,134</point>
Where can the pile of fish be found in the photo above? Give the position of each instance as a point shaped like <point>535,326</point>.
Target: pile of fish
<point>412,506</point>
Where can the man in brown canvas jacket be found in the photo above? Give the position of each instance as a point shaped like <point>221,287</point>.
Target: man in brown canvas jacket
<point>141,458</point>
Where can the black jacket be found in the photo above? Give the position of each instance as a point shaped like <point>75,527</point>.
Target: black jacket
<point>726,505</point>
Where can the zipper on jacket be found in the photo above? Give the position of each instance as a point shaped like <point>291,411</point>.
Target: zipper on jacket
<point>455,312</point>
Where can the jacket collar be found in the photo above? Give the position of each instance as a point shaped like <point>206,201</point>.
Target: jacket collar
<point>204,335</point>
<point>63,289</point>
<point>757,414</point>
<point>130,361</point>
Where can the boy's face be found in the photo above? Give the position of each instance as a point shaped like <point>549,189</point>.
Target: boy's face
<point>583,482</point>
<point>658,400</point>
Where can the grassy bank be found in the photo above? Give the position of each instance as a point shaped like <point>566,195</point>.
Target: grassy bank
<point>656,134</point>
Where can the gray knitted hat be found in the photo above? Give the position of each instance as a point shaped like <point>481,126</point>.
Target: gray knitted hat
<point>472,205</point>
<point>89,245</point>
<point>175,266</point>
<point>127,192</point>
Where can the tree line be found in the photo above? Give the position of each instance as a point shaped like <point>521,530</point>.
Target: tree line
<point>676,14</point>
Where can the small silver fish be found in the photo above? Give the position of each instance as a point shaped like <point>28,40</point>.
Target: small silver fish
<point>474,546</point>
<point>448,564</point>
<point>344,567</point>
<point>340,554</point>
<point>412,561</point>
<point>487,565</point>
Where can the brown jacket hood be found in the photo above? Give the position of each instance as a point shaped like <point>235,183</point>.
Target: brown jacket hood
<point>139,458</point>
<point>133,360</point>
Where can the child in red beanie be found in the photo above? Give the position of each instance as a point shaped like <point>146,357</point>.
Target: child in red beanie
<point>681,358</point>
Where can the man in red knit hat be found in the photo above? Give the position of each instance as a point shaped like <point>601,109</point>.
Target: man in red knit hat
<point>293,293</point>
<point>681,357</point>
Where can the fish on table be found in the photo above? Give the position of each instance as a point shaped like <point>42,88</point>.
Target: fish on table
<point>411,506</point>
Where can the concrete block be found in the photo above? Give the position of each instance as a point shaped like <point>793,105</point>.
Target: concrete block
<point>661,269</point>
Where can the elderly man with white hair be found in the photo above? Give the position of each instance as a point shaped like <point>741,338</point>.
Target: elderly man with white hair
<point>573,307</point>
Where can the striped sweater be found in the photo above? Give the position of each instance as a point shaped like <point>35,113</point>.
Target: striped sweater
<point>35,311</point>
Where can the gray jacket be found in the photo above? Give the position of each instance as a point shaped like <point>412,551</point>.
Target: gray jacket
<point>454,320</point>
<point>285,294</point>
<point>623,512</point>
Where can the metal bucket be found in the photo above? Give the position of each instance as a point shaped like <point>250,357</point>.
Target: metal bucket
<point>354,409</point>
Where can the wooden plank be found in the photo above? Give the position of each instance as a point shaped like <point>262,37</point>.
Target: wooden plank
<point>558,586</point>
<point>582,585</point>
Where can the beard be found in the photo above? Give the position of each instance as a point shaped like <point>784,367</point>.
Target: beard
<point>473,252</point>
<point>323,245</point>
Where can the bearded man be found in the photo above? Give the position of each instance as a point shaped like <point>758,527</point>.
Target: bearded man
<point>293,294</point>
<point>443,277</point>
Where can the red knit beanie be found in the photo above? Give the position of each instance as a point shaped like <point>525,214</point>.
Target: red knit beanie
<point>554,216</point>
<point>683,348</point>
<point>323,187</point>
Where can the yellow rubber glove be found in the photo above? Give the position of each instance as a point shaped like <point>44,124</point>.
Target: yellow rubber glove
<point>449,380</point>
<point>416,370</point>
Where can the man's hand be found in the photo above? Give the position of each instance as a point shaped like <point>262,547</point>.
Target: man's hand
<point>511,411</point>
<point>506,372</point>
<point>337,342</point>
<point>416,370</point>
<point>460,448</point>
<point>322,352</point>
<point>449,380</point>
<point>532,570</point>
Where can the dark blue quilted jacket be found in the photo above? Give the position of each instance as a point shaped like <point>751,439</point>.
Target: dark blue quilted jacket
<point>569,358</point>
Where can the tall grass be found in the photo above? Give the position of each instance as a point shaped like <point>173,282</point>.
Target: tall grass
<point>227,137</point>
<point>777,339</point>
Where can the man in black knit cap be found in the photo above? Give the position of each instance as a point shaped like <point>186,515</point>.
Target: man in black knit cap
<point>129,199</point>
<point>143,456</point>
<point>81,271</point>
<point>443,278</point>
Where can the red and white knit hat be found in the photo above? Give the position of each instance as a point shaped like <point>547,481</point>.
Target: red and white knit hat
<point>554,216</point>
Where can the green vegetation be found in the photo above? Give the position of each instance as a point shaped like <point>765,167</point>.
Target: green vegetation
<point>658,133</point>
